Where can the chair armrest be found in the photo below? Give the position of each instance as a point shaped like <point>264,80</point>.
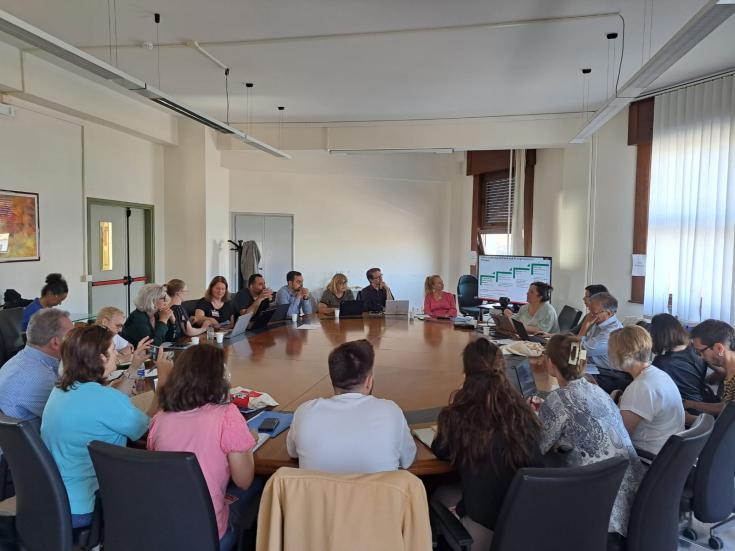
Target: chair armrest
<point>647,456</point>
<point>449,525</point>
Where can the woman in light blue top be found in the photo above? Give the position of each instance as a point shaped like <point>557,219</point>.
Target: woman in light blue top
<point>538,315</point>
<point>81,409</point>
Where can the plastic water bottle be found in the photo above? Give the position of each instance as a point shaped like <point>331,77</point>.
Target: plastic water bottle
<point>140,379</point>
<point>210,333</point>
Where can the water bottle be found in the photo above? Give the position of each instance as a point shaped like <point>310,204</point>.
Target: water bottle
<point>210,333</point>
<point>140,379</point>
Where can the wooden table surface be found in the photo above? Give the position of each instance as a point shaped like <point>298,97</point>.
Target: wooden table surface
<point>417,365</point>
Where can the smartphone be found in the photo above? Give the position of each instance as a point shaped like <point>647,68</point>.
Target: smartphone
<point>268,425</point>
<point>153,351</point>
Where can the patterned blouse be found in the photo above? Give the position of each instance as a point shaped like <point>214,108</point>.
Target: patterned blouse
<point>728,391</point>
<point>583,418</point>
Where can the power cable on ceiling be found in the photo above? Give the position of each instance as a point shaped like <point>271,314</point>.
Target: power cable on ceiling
<point>227,95</point>
<point>622,53</point>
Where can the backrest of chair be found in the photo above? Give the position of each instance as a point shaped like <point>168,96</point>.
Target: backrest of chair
<point>43,516</point>
<point>302,509</point>
<point>714,499</point>
<point>467,291</point>
<point>568,318</point>
<point>654,517</point>
<point>190,306</point>
<point>153,500</point>
<point>567,508</point>
<point>11,331</point>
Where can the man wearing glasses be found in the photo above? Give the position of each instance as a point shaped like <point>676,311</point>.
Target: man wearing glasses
<point>714,342</point>
<point>375,294</point>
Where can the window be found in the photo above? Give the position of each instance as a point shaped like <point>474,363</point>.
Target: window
<point>496,203</point>
<point>497,243</point>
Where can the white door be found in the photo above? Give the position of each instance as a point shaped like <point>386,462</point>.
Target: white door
<point>274,235</point>
<point>119,264</point>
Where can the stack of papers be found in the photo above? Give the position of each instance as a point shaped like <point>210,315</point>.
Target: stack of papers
<point>426,435</point>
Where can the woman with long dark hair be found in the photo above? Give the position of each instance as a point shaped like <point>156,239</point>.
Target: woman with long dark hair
<point>487,432</point>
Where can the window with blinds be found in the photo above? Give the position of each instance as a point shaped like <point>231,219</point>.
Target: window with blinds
<point>496,202</point>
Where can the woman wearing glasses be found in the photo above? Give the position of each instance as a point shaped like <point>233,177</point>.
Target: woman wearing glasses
<point>176,291</point>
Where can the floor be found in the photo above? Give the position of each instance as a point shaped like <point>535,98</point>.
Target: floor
<point>727,534</point>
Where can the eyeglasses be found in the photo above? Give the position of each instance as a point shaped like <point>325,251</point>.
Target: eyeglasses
<point>701,351</point>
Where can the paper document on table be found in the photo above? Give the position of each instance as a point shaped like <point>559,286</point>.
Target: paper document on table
<point>426,435</point>
<point>310,326</point>
<point>262,437</point>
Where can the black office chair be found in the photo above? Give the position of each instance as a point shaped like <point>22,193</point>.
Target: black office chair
<point>568,318</point>
<point>43,518</point>
<point>10,333</point>
<point>467,296</point>
<point>153,500</point>
<point>654,517</point>
<point>567,508</point>
<point>190,306</point>
<point>707,493</point>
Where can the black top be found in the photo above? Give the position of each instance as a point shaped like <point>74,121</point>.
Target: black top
<point>138,326</point>
<point>483,491</point>
<point>182,318</point>
<point>688,372</point>
<point>243,300</point>
<point>222,315</point>
<point>374,299</point>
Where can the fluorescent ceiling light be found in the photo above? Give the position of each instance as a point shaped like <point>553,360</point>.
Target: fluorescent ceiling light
<point>389,151</point>
<point>44,41</point>
<point>706,20</point>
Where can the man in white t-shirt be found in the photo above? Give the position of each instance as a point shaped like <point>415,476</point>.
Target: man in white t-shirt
<point>651,405</point>
<point>353,431</point>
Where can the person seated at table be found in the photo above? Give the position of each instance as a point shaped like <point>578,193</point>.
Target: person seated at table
<point>255,298</point>
<point>215,307</point>
<point>581,421</point>
<point>114,320</point>
<point>26,379</point>
<point>487,432</point>
<point>353,431</point>
<point>651,405</point>
<point>538,315</point>
<point>52,294</point>
<point>197,416</point>
<point>714,342</point>
<point>176,291</point>
<point>376,293</point>
<point>676,356</point>
<point>334,293</point>
<point>595,332</point>
<point>589,291</point>
<point>294,294</point>
<point>83,408</point>
<point>437,302</point>
<point>152,317</point>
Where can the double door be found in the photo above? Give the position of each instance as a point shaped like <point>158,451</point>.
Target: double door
<point>120,253</point>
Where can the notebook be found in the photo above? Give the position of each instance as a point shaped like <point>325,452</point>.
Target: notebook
<point>426,436</point>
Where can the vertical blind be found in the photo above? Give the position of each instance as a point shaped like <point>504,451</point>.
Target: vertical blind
<point>691,228</point>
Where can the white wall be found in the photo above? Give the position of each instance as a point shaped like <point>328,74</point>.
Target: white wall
<point>352,213</point>
<point>66,161</point>
<point>217,210</point>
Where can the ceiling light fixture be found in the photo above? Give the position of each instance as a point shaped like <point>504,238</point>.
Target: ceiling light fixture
<point>389,151</point>
<point>50,44</point>
<point>706,20</point>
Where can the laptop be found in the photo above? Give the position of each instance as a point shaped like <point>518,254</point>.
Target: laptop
<point>241,325</point>
<point>396,308</point>
<point>279,313</point>
<point>263,318</point>
<point>351,309</point>
<point>523,333</point>
<point>503,325</point>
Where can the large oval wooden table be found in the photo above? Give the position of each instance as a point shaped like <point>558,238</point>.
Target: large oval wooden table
<point>417,365</point>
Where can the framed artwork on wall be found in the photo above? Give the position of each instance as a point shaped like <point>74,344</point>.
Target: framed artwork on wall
<point>19,226</point>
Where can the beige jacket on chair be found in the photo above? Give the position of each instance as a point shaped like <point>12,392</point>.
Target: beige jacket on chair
<point>308,510</point>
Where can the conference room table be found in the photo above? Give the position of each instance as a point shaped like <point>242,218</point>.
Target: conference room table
<point>417,365</point>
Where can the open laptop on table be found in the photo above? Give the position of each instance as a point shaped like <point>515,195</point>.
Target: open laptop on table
<point>396,308</point>
<point>241,325</point>
<point>503,325</point>
<point>351,309</point>
<point>523,333</point>
<point>279,313</point>
<point>263,318</point>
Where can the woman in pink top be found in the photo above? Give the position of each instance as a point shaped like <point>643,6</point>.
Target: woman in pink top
<point>437,303</point>
<point>197,417</point>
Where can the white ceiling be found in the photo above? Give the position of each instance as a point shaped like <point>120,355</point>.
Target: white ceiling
<point>431,74</point>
